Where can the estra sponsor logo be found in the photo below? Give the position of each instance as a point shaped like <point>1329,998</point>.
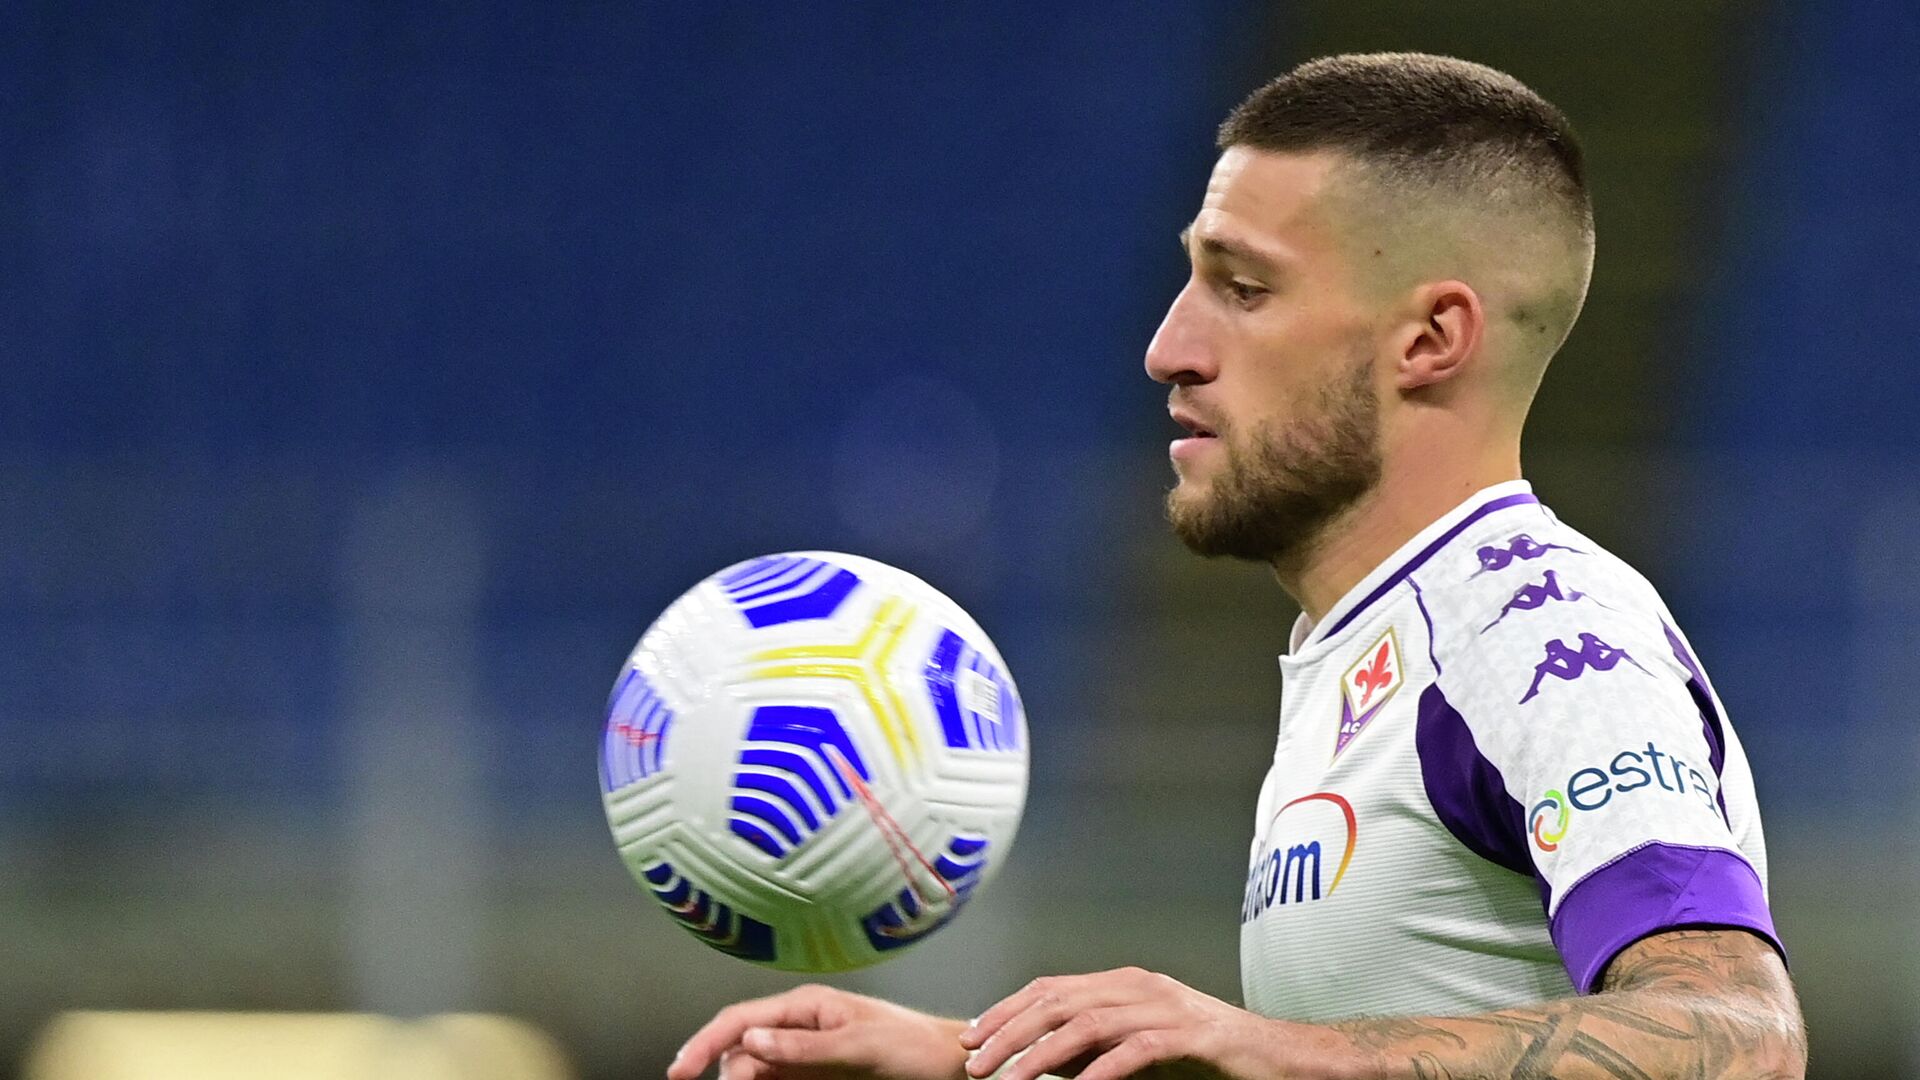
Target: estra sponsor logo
<point>1593,788</point>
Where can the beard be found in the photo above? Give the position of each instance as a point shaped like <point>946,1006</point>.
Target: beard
<point>1275,497</point>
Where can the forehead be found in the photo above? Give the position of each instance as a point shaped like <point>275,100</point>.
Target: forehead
<point>1271,200</point>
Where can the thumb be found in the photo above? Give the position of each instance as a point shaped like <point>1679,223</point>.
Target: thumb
<point>795,1046</point>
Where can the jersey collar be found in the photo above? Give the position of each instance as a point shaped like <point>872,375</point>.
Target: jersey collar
<point>1410,557</point>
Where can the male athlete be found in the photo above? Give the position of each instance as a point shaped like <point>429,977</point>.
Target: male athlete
<point>1507,830</point>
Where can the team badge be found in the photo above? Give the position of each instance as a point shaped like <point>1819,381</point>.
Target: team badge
<point>1366,687</point>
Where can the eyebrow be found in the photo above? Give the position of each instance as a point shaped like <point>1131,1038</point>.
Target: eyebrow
<point>1229,248</point>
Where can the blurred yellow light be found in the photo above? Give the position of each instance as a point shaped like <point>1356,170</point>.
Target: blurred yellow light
<point>290,1046</point>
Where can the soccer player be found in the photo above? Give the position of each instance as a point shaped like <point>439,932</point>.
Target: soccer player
<point>1507,829</point>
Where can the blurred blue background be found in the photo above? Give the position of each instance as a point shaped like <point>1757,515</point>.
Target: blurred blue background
<point>374,373</point>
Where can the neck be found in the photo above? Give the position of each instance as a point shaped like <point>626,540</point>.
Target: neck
<point>1415,490</point>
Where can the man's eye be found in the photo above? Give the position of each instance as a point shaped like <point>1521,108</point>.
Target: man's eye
<point>1244,292</point>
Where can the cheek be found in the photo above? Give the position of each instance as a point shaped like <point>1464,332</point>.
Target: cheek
<point>1276,376</point>
<point>1291,386</point>
<point>1277,364</point>
<point>1262,409</point>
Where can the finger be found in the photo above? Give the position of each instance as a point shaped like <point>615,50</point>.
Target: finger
<point>740,1065</point>
<point>797,1046</point>
<point>1008,1007</point>
<point>1049,987</point>
<point>1085,1037</point>
<point>1027,1016</point>
<point>795,1008</point>
<point>1005,1009</point>
<point>1051,1003</point>
<point>1138,1051</point>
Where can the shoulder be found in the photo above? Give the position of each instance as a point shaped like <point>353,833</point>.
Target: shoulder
<point>1535,619</point>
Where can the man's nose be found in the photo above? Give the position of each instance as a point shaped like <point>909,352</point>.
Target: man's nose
<point>1180,352</point>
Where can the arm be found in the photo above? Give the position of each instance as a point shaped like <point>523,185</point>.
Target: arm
<point>1683,1003</point>
<point>1680,1003</point>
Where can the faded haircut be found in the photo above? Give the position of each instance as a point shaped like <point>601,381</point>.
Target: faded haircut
<point>1420,126</point>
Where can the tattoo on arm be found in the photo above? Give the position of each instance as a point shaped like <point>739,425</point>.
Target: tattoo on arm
<point>1693,1003</point>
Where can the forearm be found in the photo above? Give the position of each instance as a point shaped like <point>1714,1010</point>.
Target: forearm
<point>1679,1003</point>
<point>1637,1034</point>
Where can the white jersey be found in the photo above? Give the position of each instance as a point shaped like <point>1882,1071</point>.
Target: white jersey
<point>1498,765</point>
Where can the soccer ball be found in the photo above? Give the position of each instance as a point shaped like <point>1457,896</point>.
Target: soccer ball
<point>813,760</point>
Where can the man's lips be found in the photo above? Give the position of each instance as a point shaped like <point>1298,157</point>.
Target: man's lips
<point>1186,418</point>
<point>1200,435</point>
<point>1188,449</point>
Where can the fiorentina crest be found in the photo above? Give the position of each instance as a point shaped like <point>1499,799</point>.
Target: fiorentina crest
<point>1366,686</point>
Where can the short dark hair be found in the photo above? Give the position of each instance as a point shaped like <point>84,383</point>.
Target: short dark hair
<point>1423,118</point>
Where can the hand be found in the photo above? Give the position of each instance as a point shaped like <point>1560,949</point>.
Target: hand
<point>1121,1023</point>
<point>819,1033</point>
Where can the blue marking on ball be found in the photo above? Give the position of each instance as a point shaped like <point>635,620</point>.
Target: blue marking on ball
<point>965,726</point>
<point>791,750</point>
<point>708,919</point>
<point>777,589</point>
<point>905,919</point>
<point>634,742</point>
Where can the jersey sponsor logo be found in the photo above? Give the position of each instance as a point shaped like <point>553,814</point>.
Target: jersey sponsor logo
<point>1592,788</point>
<point>1290,865</point>
<point>1551,806</point>
<point>1534,596</point>
<point>1367,686</point>
<point>1520,546</point>
<point>1566,663</point>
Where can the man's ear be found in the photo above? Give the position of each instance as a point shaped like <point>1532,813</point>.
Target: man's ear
<point>1444,332</point>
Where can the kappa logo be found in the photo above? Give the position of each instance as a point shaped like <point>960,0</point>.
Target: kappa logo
<point>1366,686</point>
<point>1535,596</point>
<point>1567,664</point>
<point>1520,546</point>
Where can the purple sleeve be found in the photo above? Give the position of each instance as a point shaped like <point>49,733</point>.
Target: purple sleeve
<point>1652,888</point>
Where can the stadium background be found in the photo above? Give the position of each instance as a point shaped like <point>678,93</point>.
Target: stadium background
<point>373,373</point>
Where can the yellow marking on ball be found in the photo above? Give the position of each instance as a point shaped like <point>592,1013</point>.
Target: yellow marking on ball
<point>880,660</point>
<point>862,663</point>
<point>837,956</point>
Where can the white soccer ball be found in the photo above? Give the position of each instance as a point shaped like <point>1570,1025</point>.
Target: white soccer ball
<point>814,760</point>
